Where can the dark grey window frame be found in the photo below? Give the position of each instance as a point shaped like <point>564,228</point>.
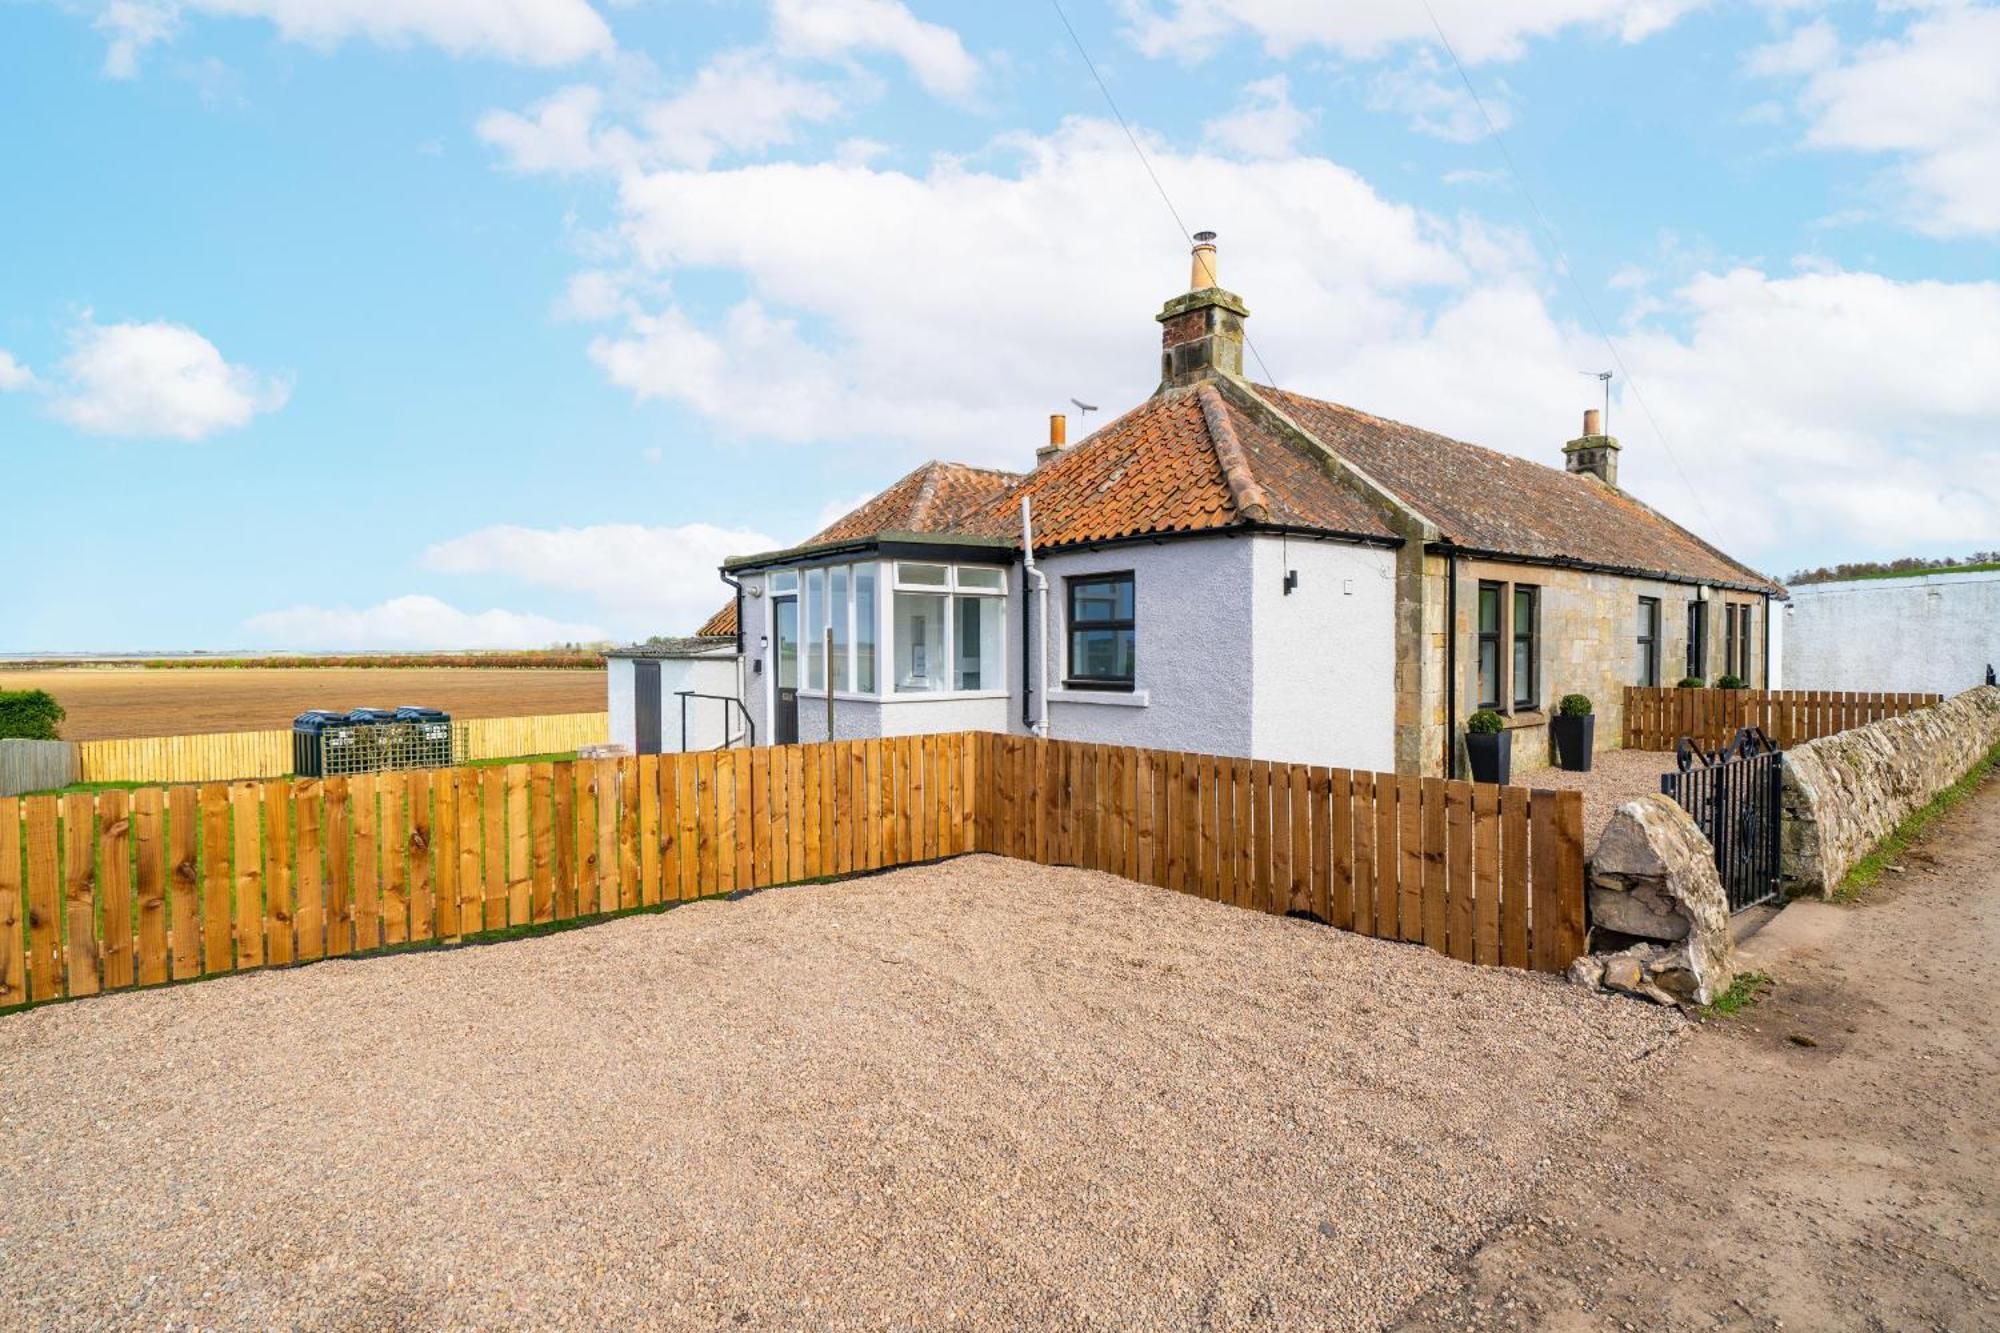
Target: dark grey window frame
<point>1697,647</point>
<point>1071,628</point>
<point>1526,701</point>
<point>1649,639</point>
<point>1481,637</point>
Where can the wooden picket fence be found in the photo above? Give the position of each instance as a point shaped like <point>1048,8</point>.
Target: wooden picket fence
<point>1484,873</point>
<point>226,756</point>
<point>1656,719</point>
<point>119,889</point>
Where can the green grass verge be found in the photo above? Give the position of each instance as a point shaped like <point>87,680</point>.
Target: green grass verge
<point>1743,992</point>
<point>1870,867</point>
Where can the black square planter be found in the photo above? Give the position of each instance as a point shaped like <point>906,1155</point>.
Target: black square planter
<point>1491,755</point>
<point>1575,739</point>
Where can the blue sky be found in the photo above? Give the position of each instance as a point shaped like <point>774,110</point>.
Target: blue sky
<point>332,324</point>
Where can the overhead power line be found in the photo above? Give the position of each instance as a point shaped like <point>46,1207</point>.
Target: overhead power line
<point>1165,198</point>
<point>1569,269</point>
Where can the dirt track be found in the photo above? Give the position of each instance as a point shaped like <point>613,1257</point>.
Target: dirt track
<point>110,702</point>
<point>1828,1161</point>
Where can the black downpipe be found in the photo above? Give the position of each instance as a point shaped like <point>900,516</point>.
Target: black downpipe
<point>1450,660</point>
<point>736,584</point>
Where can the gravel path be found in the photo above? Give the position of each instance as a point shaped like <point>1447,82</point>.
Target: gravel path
<point>1615,777</point>
<point>978,1093</point>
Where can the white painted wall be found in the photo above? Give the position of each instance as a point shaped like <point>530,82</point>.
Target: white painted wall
<point>710,675</point>
<point>1192,672</point>
<point>1324,674</point>
<point>1936,633</point>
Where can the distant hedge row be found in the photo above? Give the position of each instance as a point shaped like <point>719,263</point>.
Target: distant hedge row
<point>29,715</point>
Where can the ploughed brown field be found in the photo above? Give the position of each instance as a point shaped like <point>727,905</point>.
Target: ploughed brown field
<point>113,702</point>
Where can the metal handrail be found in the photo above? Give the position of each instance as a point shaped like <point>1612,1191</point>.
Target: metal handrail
<point>749,734</point>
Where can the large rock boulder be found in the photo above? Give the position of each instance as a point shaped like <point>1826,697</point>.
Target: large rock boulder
<point>1653,878</point>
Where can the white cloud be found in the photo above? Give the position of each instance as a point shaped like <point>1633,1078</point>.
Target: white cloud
<point>970,302</point>
<point>741,102</point>
<point>1807,48</point>
<point>1929,97</point>
<point>14,375</point>
<point>916,337</point>
<point>158,379</point>
<point>412,622</point>
<point>830,29</point>
<point>1436,102</point>
<point>647,580</point>
<point>1831,409</point>
<point>530,32</point>
<point>1367,29</point>
<point>1263,123</point>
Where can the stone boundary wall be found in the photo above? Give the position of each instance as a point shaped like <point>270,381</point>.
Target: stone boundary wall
<point>1844,793</point>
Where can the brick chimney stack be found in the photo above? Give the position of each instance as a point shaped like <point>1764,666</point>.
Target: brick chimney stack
<point>1201,331</point>
<point>1593,453</point>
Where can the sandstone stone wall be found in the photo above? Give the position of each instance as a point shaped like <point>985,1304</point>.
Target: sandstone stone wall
<point>1844,793</point>
<point>1588,644</point>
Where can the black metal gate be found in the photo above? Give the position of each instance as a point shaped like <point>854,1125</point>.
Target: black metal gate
<point>1733,795</point>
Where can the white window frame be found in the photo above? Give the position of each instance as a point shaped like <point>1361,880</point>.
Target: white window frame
<point>951,590</point>
<point>889,582</point>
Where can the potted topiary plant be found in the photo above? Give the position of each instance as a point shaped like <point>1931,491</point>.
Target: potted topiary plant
<point>1575,730</point>
<point>1489,746</point>
<point>1729,682</point>
<point>1692,683</point>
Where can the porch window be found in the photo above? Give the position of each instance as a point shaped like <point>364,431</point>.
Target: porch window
<point>1649,641</point>
<point>1103,631</point>
<point>1489,645</point>
<point>839,613</point>
<point>864,628</point>
<point>947,628</point>
<point>815,629</point>
<point>1527,690</point>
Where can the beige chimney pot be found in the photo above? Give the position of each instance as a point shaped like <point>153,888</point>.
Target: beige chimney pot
<point>1593,422</point>
<point>1202,273</point>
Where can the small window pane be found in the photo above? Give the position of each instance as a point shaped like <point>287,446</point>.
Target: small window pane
<point>980,580</point>
<point>1489,609</point>
<point>977,642</point>
<point>815,629</point>
<point>864,628</point>
<point>921,665</point>
<point>1523,674</point>
<point>840,611</point>
<point>1096,600</point>
<point>785,582</point>
<point>929,576</point>
<point>1101,654</point>
<point>1489,673</point>
<point>788,643</point>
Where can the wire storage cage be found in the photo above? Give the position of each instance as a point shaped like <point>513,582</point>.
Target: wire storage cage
<point>370,740</point>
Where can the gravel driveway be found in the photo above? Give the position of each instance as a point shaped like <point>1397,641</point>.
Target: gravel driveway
<point>981,1093</point>
<point>1615,777</point>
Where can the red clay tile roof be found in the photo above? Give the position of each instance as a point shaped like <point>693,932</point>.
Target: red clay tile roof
<point>721,625</point>
<point>1193,460</point>
<point>927,500</point>
<point>1161,468</point>
<point>1490,501</point>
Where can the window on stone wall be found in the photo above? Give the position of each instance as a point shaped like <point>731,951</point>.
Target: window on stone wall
<point>1648,664</point>
<point>1489,645</point>
<point>1527,687</point>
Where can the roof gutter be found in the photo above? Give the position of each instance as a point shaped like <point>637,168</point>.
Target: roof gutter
<point>1595,567</point>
